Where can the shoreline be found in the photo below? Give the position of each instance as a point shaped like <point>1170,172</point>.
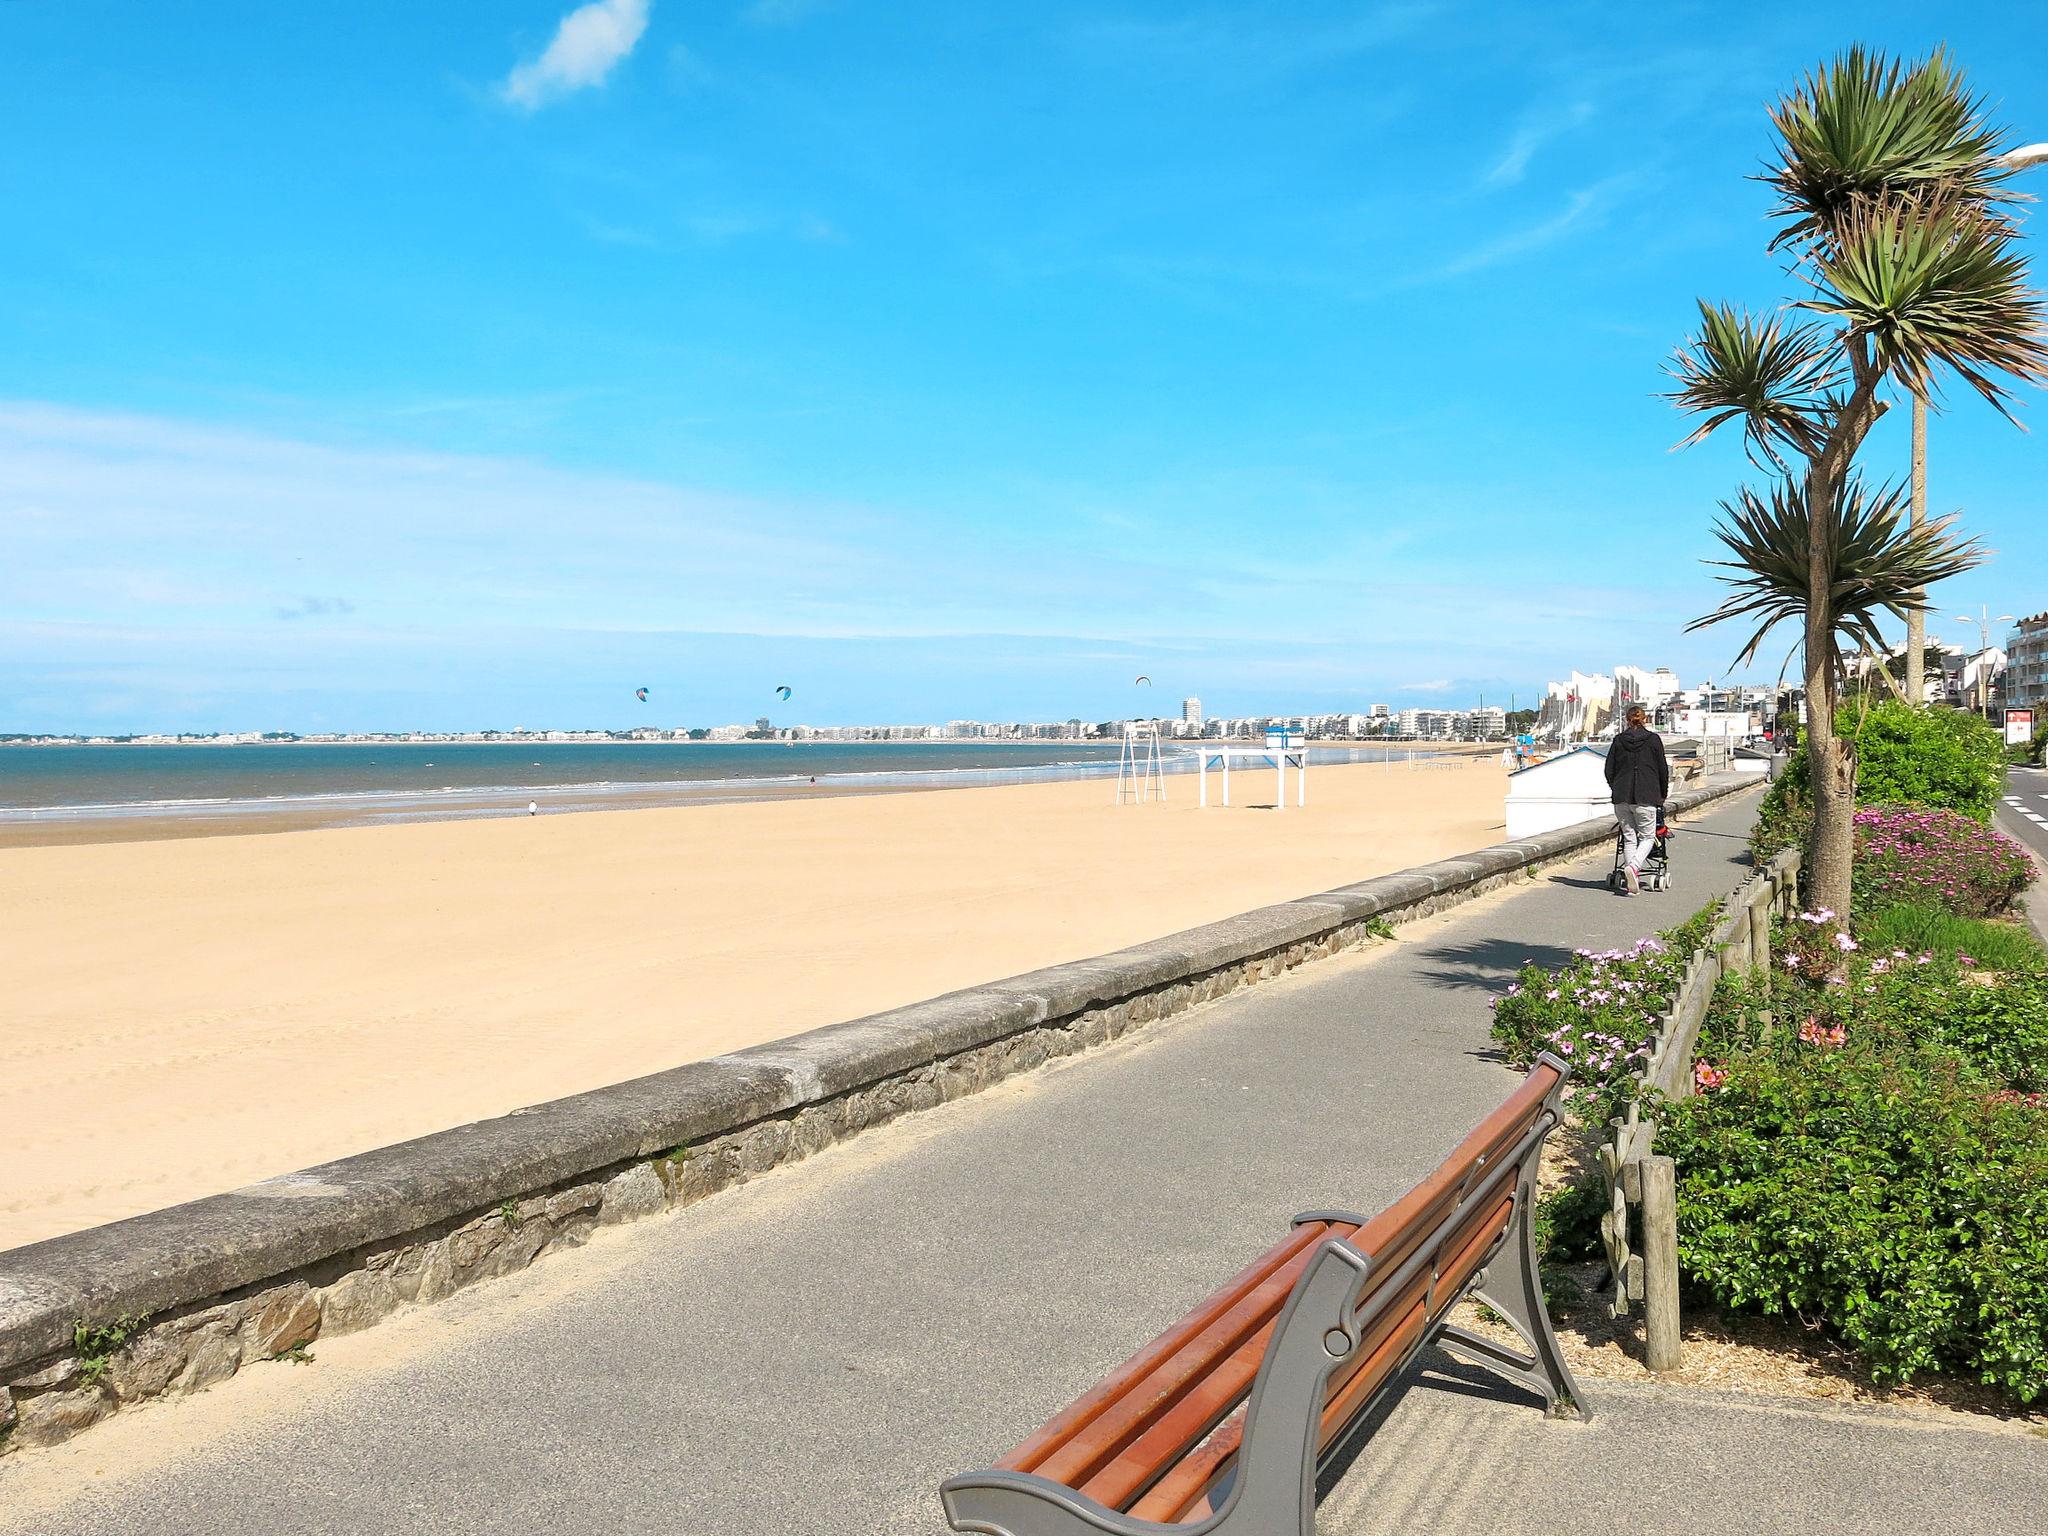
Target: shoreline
<point>157,820</point>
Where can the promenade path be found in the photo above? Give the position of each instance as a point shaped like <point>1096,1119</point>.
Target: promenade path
<point>812,1353</point>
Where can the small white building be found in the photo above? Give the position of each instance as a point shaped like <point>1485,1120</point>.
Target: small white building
<point>1560,791</point>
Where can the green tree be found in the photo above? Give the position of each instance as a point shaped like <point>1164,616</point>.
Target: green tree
<point>1894,211</point>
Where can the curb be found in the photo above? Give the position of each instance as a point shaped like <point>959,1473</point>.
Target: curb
<point>175,1300</point>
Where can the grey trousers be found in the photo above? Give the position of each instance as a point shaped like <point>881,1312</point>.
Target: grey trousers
<point>1638,831</point>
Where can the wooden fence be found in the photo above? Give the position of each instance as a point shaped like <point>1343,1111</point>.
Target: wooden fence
<point>1635,1173</point>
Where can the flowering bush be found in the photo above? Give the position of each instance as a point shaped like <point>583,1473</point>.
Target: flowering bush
<point>1598,1013</point>
<point>1897,1195</point>
<point>1815,947</point>
<point>1907,853</point>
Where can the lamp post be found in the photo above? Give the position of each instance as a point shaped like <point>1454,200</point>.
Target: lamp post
<point>2023,158</point>
<point>1983,621</point>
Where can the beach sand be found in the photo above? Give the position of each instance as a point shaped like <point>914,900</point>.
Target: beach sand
<point>188,1015</point>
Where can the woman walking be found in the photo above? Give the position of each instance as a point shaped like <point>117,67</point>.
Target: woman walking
<point>1639,780</point>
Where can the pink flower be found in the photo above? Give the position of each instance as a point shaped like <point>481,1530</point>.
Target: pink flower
<point>1706,1076</point>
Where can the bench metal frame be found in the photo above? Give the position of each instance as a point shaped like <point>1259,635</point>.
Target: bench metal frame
<point>1273,1480</point>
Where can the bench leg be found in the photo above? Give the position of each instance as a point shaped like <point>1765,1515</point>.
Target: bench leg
<point>1512,1284</point>
<point>1273,1488</point>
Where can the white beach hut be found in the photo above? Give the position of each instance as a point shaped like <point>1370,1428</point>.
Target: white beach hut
<point>1560,791</point>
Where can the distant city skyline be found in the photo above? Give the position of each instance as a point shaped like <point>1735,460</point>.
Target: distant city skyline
<point>937,360</point>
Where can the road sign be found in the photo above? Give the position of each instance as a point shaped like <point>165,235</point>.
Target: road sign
<point>2019,727</point>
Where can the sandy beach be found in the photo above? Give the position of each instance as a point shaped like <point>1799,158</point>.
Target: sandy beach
<point>187,1015</point>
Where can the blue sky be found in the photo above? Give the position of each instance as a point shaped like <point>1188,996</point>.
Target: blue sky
<point>392,365</point>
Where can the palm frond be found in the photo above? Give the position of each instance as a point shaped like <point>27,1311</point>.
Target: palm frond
<point>1882,565</point>
<point>1931,283</point>
<point>1773,377</point>
<point>1865,129</point>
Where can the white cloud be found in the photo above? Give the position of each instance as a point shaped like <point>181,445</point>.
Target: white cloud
<point>1587,206</point>
<point>1435,685</point>
<point>1536,130</point>
<point>589,42</point>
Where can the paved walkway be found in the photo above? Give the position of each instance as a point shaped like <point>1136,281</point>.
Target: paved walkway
<point>812,1353</point>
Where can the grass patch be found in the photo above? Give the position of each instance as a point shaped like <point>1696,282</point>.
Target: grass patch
<point>1917,928</point>
<point>96,1346</point>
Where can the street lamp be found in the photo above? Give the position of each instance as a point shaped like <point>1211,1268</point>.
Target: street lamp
<point>1984,621</point>
<point>2024,158</point>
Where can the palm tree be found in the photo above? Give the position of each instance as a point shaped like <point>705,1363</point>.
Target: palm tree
<point>1894,211</point>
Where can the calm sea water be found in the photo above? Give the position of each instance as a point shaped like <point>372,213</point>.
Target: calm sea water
<point>166,777</point>
<point>444,778</point>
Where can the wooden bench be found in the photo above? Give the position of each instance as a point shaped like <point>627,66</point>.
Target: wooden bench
<point>1313,1333</point>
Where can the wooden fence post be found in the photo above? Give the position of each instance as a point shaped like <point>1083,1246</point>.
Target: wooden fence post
<point>1662,1350</point>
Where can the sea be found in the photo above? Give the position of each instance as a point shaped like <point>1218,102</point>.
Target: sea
<point>412,781</point>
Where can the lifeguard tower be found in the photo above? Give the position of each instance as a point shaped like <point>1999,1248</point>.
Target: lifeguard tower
<point>1140,772</point>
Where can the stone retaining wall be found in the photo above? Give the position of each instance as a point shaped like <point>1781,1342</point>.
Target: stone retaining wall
<point>173,1301</point>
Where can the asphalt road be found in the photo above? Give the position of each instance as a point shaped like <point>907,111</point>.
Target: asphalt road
<point>813,1352</point>
<point>2024,815</point>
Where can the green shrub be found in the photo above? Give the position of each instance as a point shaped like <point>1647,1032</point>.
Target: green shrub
<point>1785,814</point>
<point>1926,926</point>
<point>1946,759</point>
<point>1896,1196</point>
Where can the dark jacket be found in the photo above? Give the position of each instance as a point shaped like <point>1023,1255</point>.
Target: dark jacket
<point>1636,771</point>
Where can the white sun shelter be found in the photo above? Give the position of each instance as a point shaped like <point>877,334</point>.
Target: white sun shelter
<point>1283,749</point>
<point>1560,791</point>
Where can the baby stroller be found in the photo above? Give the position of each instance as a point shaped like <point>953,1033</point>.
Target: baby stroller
<point>1656,871</point>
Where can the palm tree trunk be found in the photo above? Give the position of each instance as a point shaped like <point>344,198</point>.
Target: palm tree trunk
<point>1831,761</point>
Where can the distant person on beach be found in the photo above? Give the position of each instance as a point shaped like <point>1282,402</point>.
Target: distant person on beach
<point>1639,781</point>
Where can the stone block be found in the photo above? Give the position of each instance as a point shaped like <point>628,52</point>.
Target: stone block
<point>54,1373</point>
<point>280,1320</point>
<point>632,1194</point>
<point>214,1354</point>
<point>49,1418</point>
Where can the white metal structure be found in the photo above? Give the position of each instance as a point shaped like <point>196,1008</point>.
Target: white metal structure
<point>1281,757</point>
<point>1140,775</point>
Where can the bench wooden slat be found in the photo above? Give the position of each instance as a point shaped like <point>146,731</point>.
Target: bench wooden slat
<point>1084,1410</point>
<point>1181,1490</point>
<point>1156,1439</point>
<point>1115,1443</point>
<point>1105,1461</point>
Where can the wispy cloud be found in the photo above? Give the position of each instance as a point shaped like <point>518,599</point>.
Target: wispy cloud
<point>1434,685</point>
<point>315,608</point>
<point>588,44</point>
<point>1585,208</point>
<point>1536,130</point>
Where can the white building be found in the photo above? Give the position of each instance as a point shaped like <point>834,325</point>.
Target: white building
<point>1191,712</point>
<point>1576,708</point>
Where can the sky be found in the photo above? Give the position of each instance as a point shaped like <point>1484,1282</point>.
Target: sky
<point>390,366</point>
